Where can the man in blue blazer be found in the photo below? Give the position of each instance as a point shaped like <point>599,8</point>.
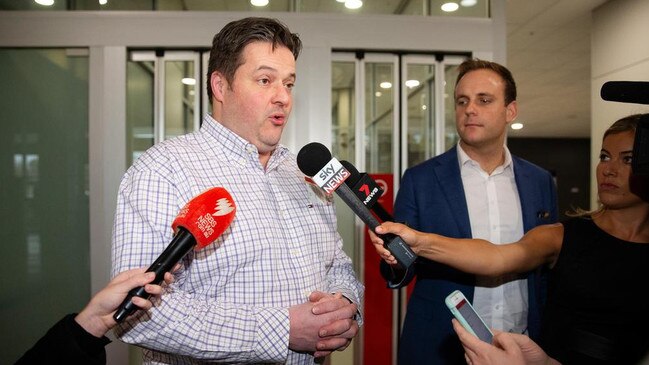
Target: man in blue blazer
<point>476,189</point>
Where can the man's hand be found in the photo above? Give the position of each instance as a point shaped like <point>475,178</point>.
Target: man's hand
<point>323,324</point>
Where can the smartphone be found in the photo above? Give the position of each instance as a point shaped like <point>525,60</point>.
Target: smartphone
<point>467,316</point>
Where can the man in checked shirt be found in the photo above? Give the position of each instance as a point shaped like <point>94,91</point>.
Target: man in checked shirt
<point>276,287</point>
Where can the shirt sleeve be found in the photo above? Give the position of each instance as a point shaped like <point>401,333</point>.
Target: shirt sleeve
<point>342,278</point>
<point>184,323</point>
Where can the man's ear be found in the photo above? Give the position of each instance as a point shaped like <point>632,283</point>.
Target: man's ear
<point>512,111</point>
<point>218,84</point>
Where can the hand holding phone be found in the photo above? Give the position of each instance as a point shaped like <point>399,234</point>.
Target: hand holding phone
<point>467,316</point>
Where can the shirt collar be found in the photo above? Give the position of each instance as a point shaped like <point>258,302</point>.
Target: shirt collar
<point>238,149</point>
<point>464,159</point>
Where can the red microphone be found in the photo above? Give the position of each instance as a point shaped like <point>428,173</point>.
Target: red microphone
<point>200,222</point>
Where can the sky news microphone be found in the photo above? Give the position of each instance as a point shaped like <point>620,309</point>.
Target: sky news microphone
<point>328,173</point>
<point>367,190</point>
<point>200,222</point>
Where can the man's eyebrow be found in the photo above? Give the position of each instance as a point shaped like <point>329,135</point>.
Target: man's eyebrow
<point>486,94</point>
<point>481,94</point>
<point>273,69</point>
<point>265,68</point>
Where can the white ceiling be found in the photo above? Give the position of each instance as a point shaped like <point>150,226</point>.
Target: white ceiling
<point>548,51</point>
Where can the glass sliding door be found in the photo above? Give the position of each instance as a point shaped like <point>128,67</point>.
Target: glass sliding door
<point>389,112</point>
<point>449,65</point>
<point>418,100</point>
<point>163,97</point>
<point>343,108</point>
<point>44,190</point>
<point>381,91</point>
<point>428,107</point>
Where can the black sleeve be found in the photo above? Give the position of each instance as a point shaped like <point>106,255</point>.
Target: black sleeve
<point>67,342</point>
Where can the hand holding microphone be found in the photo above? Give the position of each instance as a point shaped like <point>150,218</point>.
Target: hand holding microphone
<point>316,161</point>
<point>200,222</point>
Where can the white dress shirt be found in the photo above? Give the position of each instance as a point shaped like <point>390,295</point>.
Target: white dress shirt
<point>230,300</point>
<point>495,215</point>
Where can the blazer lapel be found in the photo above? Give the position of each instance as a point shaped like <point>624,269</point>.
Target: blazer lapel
<point>530,201</point>
<point>447,171</point>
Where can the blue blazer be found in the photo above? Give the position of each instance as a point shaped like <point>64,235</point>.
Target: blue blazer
<point>431,199</point>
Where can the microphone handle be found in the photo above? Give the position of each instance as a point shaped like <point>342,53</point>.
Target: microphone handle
<point>382,213</point>
<point>181,244</point>
<point>399,249</point>
<point>347,195</point>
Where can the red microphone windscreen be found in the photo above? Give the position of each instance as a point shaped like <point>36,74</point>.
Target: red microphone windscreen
<point>207,216</point>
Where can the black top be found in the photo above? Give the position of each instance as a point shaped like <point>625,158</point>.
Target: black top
<point>67,343</point>
<point>598,298</point>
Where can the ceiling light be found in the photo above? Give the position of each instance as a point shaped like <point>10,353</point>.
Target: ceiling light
<point>385,85</point>
<point>340,1</point>
<point>468,3</point>
<point>517,126</point>
<point>424,107</point>
<point>259,2</point>
<point>45,2</point>
<point>103,2</point>
<point>412,83</point>
<point>188,81</point>
<point>353,4</point>
<point>450,7</point>
<point>378,94</point>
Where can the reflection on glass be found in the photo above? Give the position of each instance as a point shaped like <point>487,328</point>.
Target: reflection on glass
<point>44,192</point>
<point>343,140</point>
<point>379,116</point>
<point>343,110</point>
<point>161,99</point>
<point>421,113</point>
<point>450,131</point>
<point>139,108</point>
<point>180,94</point>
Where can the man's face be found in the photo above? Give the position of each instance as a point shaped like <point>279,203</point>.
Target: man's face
<point>257,103</point>
<point>481,115</point>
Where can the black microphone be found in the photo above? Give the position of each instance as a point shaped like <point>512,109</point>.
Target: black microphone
<point>316,161</point>
<point>626,91</point>
<point>367,190</point>
<point>200,222</point>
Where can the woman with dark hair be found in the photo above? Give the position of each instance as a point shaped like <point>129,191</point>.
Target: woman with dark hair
<point>598,309</point>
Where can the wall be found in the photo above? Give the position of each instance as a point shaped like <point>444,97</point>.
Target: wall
<point>620,51</point>
<point>568,163</point>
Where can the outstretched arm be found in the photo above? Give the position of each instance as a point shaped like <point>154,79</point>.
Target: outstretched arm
<point>539,246</point>
<point>80,338</point>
